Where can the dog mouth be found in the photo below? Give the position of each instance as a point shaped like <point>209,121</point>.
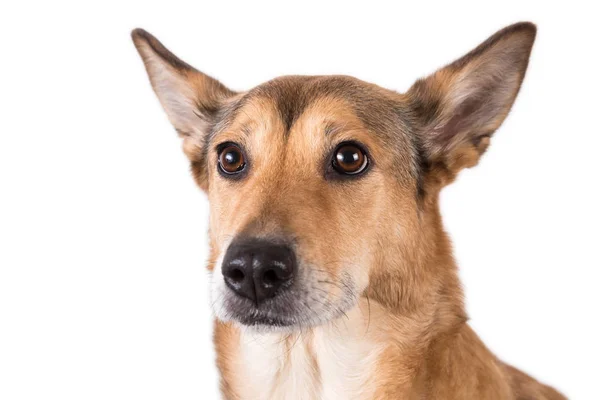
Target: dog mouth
<point>284,310</point>
<point>306,304</point>
<point>276,312</point>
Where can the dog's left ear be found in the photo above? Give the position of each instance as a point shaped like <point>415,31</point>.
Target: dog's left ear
<point>460,106</point>
<point>191,99</point>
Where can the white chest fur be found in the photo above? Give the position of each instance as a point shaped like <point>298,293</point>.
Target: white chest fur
<point>337,361</point>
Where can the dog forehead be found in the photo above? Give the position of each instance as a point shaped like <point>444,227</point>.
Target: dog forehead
<point>288,98</point>
<point>291,96</point>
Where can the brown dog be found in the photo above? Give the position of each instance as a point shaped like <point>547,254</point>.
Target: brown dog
<point>332,276</point>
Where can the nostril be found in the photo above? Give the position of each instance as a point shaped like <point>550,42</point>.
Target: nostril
<point>270,277</point>
<point>236,275</point>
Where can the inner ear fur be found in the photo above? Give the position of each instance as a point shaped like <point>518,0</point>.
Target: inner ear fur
<point>460,106</point>
<point>190,98</point>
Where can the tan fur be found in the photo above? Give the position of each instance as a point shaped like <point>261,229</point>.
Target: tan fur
<point>384,317</point>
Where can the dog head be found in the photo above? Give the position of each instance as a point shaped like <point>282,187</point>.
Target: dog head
<point>323,189</point>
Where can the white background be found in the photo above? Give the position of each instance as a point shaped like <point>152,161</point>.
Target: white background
<point>103,291</point>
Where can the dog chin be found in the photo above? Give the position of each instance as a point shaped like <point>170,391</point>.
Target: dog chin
<point>264,324</point>
<point>265,318</point>
<point>268,324</point>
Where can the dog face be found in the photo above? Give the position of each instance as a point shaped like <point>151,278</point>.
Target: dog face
<point>324,189</point>
<point>307,181</point>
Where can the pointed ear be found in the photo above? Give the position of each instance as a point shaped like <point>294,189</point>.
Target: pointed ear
<point>459,107</point>
<point>190,98</point>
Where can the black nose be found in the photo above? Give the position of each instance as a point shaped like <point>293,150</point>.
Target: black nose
<point>258,269</point>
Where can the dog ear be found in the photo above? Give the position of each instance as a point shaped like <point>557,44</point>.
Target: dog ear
<point>190,98</point>
<point>460,106</point>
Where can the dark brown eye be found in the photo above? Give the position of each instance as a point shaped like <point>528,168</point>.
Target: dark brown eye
<point>349,159</point>
<point>231,159</point>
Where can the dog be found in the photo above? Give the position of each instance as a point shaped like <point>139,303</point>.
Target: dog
<point>331,274</point>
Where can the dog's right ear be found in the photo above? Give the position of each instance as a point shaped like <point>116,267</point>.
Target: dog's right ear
<point>190,98</point>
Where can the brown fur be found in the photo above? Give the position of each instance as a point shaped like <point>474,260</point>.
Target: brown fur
<point>379,236</point>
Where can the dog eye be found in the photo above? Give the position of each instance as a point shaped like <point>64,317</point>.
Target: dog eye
<point>349,159</point>
<point>231,159</point>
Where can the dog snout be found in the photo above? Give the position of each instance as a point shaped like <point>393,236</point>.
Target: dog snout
<point>258,269</point>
